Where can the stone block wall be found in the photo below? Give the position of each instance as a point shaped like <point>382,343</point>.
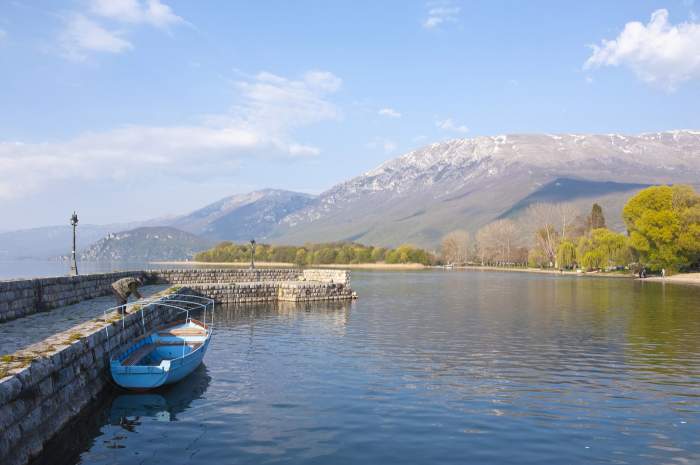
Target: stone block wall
<point>327,276</point>
<point>230,275</point>
<point>48,383</point>
<point>19,298</point>
<point>273,291</point>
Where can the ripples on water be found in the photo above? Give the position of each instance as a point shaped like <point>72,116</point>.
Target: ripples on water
<point>431,367</point>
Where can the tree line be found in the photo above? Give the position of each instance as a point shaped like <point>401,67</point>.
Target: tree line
<point>662,233</point>
<point>317,254</point>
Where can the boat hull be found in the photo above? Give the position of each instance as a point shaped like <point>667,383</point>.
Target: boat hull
<point>161,358</point>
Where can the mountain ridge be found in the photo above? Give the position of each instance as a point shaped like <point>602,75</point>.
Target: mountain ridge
<point>455,184</point>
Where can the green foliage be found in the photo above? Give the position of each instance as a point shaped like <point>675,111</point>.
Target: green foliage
<point>566,254</point>
<point>603,248</point>
<point>300,257</point>
<point>316,254</point>
<point>664,226</point>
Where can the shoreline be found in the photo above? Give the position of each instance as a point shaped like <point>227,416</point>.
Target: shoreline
<point>355,266</point>
<point>681,278</point>
<point>591,274</point>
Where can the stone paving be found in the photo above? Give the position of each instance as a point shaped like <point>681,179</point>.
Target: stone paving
<point>18,334</point>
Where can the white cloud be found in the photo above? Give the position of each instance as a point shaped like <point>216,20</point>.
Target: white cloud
<point>85,32</point>
<point>262,125</point>
<point>449,125</point>
<point>389,112</point>
<point>658,52</point>
<point>441,12</point>
<point>81,35</point>
<point>151,12</point>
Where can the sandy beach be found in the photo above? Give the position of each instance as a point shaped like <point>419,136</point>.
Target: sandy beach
<point>682,278</point>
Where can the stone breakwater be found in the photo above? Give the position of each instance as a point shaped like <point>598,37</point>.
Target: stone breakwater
<point>273,292</point>
<point>24,297</point>
<point>47,384</point>
<point>20,298</point>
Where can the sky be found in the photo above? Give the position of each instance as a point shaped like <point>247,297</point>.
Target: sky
<point>126,110</point>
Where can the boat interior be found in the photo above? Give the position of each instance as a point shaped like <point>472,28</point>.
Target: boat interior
<point>166,343</point>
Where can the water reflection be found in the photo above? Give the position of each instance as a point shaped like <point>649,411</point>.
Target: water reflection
<point>489,368</point>
<point>129,409</point>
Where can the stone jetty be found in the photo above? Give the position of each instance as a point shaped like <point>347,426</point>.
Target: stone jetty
<point>46,384</point>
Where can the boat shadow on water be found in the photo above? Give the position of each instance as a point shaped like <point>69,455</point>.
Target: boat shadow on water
<point>164,404</point>
<point>126,409</point>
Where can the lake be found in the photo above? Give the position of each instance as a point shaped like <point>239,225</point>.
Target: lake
<point>427,367</point>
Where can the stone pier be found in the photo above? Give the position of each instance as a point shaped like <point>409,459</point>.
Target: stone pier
<point>46,384</point>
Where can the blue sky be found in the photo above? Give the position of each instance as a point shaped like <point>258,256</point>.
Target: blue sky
<point>132,109</point>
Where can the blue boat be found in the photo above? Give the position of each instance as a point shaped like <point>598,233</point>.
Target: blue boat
<point>166,355</point>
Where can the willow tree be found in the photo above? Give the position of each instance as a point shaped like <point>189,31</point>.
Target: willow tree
<point>603,248</point>
<point>664,226</point>
<point>566,254</point>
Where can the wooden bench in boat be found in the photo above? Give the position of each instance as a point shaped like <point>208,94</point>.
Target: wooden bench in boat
<point>146,349</point>
<point>194,345</point>
<point>138,354</point>
<point>183,332</point>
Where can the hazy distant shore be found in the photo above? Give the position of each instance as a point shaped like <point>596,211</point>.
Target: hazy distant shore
<point>357,266</point>
<point>224,264</point>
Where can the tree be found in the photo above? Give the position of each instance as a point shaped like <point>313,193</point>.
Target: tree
<point>566,254</point>
<point>603,248</point>
<point>551,223</point>
<point>596,219</point>
<point>300,257</point>
<point>536,258</point>
<point>455,246</point>
<point>664,226</point>
<point>496,242</point>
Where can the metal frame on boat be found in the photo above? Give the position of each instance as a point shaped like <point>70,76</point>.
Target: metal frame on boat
<point>168,353</point>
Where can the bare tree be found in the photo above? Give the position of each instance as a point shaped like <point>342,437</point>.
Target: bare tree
<point>549,224</point>
<point>455,246</point>
<point>496,242</point>
<point>567,214</point>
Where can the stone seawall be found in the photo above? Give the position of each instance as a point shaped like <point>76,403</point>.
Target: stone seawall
<point>299,291</point>
<point>203,275</point>
<point>20,298</point>
<point>48,383</point>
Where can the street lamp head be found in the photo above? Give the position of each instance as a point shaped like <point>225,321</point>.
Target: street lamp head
<point>74,219</point>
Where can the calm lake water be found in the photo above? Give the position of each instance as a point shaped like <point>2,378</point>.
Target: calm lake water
<point>427,367</point>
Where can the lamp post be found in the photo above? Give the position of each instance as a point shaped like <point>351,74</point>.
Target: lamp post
<point>74,263</point>
<point>252,254</point>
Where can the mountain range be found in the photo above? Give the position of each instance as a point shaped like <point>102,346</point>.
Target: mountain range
<point>461,183</point>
